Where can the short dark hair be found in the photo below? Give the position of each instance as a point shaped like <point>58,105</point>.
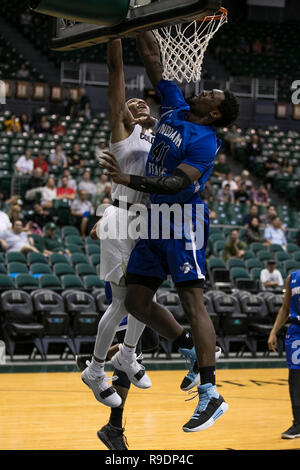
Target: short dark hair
<point>229,108</point>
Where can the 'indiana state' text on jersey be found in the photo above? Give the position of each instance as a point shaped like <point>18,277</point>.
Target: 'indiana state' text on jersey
<point>180,141</point>
<point>295,296</point>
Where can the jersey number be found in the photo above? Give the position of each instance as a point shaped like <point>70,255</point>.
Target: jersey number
<point>159,153</point>
<point>296,354</point>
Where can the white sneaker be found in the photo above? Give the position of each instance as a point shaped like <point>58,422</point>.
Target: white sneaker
<point>102,390</point>
<point>134,370</point>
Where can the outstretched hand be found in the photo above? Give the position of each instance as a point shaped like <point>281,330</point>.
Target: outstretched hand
<point>108,161</point>
<point>145,121</point>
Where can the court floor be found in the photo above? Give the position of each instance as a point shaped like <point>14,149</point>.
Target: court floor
<point>43,411</point>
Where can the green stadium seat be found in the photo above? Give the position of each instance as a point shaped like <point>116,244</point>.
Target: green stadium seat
<point>3,269</point>
<point>74,240</point>
<point>215,263</point>
<point>15,256</point>
<point>292,247</point>
<point>239,273</point>
<point>274,248</point>
<point>2,260</point>
<point>70,230</point>
<point>93,282</point>
<point>6,282</point>
<point>38,269</point>
<point>62,269</point>
<point>254,263</point>
<point>296,256</point>
<point>37,258</point>
<point>93,250</point>
<point>83,269</point>
<point>249,254</point>
<point>70,281</point>
<point>58,258</point>
<point>17,268</point>
<point>290,265</point>
<point>218,246</point>
<point>74,248</point>
<point>48,281</point>
<point>255,273</point>
<point>255,246</point>
<point>95,259</point>
<point>79,258</point>
<point>235,263</point>
<point>281,256</point>
<point>26,282</point>
<point>38,241</point>
<point>264,255</point>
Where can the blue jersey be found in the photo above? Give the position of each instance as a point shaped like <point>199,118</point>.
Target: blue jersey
<point>295,296</point>
<point>180,141</point>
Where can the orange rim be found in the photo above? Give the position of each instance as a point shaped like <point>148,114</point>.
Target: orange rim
<point>223,12</point>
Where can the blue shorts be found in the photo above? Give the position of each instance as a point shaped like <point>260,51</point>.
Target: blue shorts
<point>292,347</point>
<point>159,258</point>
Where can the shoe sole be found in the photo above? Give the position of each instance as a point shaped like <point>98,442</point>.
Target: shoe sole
<point>193,384</point>
<point>106,442</point>
<point>119,366</point>
<point>286,436</point>
<point>219,412</point>
<point>110,405</point>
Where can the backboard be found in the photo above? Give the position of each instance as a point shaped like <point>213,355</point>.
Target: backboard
<point>70,34</point>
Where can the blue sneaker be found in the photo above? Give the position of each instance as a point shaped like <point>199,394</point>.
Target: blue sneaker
<point>192,378</point>
<point>210,407</point>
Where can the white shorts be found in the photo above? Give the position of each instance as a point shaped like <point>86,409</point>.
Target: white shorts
<point>116,250</point>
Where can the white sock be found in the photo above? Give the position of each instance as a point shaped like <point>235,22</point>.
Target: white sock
<point>128,353</point>
<point>96,367</point>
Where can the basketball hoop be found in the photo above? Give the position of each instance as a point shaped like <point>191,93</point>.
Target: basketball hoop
<point>183,46</point>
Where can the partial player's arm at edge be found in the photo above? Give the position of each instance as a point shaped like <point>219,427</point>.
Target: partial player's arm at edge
<point>282,316</point>
<point>150,54</point>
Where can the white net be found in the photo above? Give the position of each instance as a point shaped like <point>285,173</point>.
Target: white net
<point>183,46</point>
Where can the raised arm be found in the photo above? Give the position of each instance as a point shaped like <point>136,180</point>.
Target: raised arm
<point>120,117</point>
<point>150,54</point>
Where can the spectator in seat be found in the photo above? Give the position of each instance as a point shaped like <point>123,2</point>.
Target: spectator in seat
<point>40,216</point>
<point>221,168</point>
<point>253,233</point>
<point>52,243</point>
<point>253,213</point>
<point>100,148</point>
<point>261,196</point>
<point>59,128</point>
<point>229,180</point>
<point>64,191</point>
<point>71,182</point>
<point>23,73</point>
<point>209,193</point>
<point>58,157</point>
<point>17,240</point>
<point>36,180</point>
<point>106,193</point>
<point>24,164</point>
<point>234,247</point>
<point>75,158</point>
<point>286,167</point>
<point>25,123</point>
<point>270,277</point>
<point>84,100</point>
<point>69,105</point>
<point>12,124</point>
<point>41,162</point>
<point>272,167</point>
<point>225,195</point>
<point>82,209</point>
<point>267,218</point>
<point>101,183</point>
<point>274,233</point>
<point>48,193</point>
<point>241,196</point>
<point>257,47</point>
<point>233,137</point>
<point>245,179</point>
<point>86,184</point>
<point>253,150</point>
<point>15,212</point>
<point>44,126</point>
<point>106,200</point>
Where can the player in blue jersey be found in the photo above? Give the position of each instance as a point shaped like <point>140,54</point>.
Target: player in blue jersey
<point>179,164</point>
<point>290,312</point>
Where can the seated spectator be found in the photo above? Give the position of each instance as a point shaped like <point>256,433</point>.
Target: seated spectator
<point>272,166</point>
<point>48,193</point>
<point>40,216</point>
<point>106,200</point>
<point>233,136</point>
<point>257,47</point>
<point>253,233</point>
<point>86,184</point>
<point>12,124</point>
<point>58,157</point>
<point>270,277</point>
<point>101,183</point>
<point>25,124</point>
<point>69,105</point>
<point>106,192</point>
<point>234,247</point>
<point>229,180</point>
<point>261,197</point>
<point>84,100</point>
<point>221,168</point>
<point>241,196</point>
<point>24,164</point>
<point>52,243</point>
<point>267,218</point>
<point>75,158</point>
<point>253,150</point>
<point>64,191</point>
<point>23,73</point>
<point>245,179</point>
<point>5,222</point>
<point>86,112</point>
<point>209,193</point>
<point>41,162</point>
<point>253,213</point>
<point>17,240</point>
<point>36,180</point>
<point>71,182</point>
<point>100,148</point>
<point>81,209</point>
<point>274,233</point>
<point>15,213</point>
<point>225,195</point>
<point>286,167</point>
<point>44,126</point>
<point>59,128</point>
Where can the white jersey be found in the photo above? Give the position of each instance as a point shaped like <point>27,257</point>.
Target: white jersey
<point>132,154</point>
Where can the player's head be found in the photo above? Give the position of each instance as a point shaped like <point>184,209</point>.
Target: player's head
<point>138,107</point>
<point>216,107</point>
